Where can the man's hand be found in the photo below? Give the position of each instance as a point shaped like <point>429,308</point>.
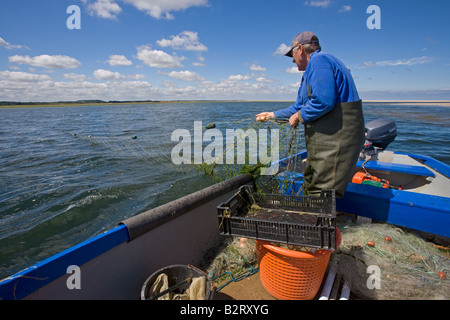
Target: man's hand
<point>294,120</point>
<point>265,116</point>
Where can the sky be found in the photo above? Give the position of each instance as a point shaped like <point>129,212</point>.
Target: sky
<point>217,49</point>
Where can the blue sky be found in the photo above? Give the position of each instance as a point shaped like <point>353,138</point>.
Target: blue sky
<point>216,49</point>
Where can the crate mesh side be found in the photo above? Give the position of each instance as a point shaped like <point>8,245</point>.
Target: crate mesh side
<point>315,224</point>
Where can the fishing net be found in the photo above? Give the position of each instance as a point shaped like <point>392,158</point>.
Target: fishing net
<point>408,266</point>
<point>157,148</point>
<point>234,259</point>
<point>135,148</point>
<point>288,144</point>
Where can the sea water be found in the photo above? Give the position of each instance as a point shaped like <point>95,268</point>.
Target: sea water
<point>70,173</point>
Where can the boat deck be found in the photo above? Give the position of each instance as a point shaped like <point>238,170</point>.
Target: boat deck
<point>249,288</point>
<point>411,174</point>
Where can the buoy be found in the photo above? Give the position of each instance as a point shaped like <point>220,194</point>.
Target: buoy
<point>134,137</point>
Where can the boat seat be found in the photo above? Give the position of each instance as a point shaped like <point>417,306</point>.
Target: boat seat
<point>396,167</point>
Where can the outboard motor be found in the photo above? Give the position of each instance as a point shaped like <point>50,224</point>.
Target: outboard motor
<point>379,134</point>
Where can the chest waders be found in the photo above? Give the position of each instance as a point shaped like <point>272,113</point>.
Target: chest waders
<point>333,144</point>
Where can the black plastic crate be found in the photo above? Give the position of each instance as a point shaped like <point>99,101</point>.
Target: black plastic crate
<point>297,220</point>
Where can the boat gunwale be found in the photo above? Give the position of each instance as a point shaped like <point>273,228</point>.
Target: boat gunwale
<point>23,283</point>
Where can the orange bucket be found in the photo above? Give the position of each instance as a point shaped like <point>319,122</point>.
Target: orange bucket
<point>289,274</point>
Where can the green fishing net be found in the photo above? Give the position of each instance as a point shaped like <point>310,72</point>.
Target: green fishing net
<point>385,262</point>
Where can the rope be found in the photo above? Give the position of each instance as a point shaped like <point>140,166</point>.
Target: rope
<point>250,271</point>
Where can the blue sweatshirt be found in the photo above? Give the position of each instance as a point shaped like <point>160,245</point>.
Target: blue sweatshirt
<point>330,82</point>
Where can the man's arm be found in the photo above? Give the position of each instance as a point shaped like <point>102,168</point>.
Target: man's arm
<point>323,94</point>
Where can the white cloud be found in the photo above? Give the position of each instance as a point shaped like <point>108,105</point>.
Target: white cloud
<point>136,76</point>
<point>345,8</point>
<point>185,75</point>
<point>255,67</point>
<point>7,45</point>
<point>168,84</point>
<point>263,79</point>
<point>109,85</point>
<point>107,9</point>
<point>318,3</point>
<point>102,74</point>
<point>158,58</point>
<point>119,60</point>
<point>200,59</point>
<point>75,77</point>
<point>47,61</point>
<point>186,40</point>
<point>23,76</point>
<point>163,8</point>
<point>20,86</point>
<point>238,77</point>
<point>293,70</point>
<point>367,64</point>
<point>399,62</point>
<point>3,43</point>
<point>408,62</point>
<point>282,49</point>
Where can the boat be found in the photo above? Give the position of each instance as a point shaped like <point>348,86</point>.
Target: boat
<point>403,189</point>
<point>411,191</point>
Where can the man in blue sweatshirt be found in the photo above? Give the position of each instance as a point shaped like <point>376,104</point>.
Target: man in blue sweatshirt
<point>329,107</point>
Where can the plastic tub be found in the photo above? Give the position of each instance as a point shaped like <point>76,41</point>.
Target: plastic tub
<point>176,274</point>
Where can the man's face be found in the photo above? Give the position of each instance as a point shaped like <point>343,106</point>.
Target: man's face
<point>300,58</point>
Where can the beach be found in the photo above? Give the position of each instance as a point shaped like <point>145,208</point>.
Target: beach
<point>412,102</point>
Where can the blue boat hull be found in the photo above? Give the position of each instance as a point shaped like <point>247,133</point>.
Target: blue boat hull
<point>422,212</point>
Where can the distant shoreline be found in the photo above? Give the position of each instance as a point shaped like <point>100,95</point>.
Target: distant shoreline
<point>443,103</point>
<point>12,104</point>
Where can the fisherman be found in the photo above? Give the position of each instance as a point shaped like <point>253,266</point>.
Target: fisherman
<point>329,107</point>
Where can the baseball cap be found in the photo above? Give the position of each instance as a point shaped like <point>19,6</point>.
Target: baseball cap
<point>306,37</point>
